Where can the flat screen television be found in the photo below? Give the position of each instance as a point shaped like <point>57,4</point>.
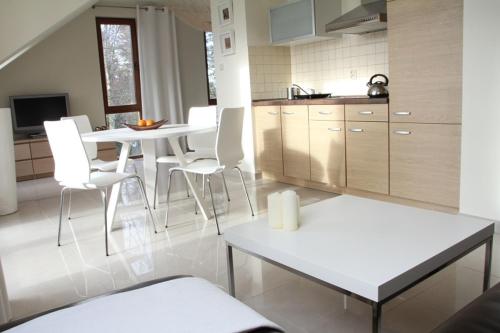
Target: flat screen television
<point>29,112</point>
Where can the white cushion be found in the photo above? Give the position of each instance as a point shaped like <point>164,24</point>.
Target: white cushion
<point>182,305</point>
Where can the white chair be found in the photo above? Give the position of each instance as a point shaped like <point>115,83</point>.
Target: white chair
<point>72,169</point>
<point>84,126</point>
<point>202,145</point>
<point>228,152</point>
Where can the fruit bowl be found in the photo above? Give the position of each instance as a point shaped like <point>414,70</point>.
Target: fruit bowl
<point>157,124</point>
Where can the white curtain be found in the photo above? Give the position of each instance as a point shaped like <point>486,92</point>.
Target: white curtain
<point>159,64</point>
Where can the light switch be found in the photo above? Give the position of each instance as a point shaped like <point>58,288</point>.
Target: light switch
<point>354,74</point>
<point>221,67</point>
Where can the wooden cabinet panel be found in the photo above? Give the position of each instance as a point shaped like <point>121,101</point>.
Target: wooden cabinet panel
<point>22,152</point>
<point>40,149</point>
<point>366,112</point>
<point>326,112</point>
<point>268,143</point>
<point>43,165</point>
<point>367,156</point>
<point>106,145</point>
<point>425,58</point>
<point>107,155</point>
<point>327,152</point>
<point>24,168</point>
<point>295,132</point>
<point>425,162</point>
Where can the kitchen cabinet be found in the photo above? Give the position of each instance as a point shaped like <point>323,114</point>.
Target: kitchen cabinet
<point>425,58</point>
<point>295,134</point>
<point>326,112</point>
<point>366,112</point>
<point>302,19</point>
<point>327,152</point>
<point>367,156</point>
<point>268,144</point>
<point>425,162</point>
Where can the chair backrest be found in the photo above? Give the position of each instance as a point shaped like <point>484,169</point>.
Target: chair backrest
<point>205,115</point>
<point>84,126</point>
<point>71,161</point>
<point>228,147</point>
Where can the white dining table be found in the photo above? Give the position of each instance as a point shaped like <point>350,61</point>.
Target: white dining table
<point>148,140</point>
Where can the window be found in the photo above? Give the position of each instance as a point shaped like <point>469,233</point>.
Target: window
<point>210,62</point>
<point>120,76</point>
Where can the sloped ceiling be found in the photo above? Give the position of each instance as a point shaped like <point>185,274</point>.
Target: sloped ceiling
<point>193,12</point>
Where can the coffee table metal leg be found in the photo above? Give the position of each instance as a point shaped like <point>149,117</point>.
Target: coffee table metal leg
<point>376,317</point>
<point>487,264</point>
<point>230,270</point>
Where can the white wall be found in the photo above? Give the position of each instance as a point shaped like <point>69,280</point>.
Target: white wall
<point>480,160</point>
<point>23,23</point>
<point>192,66</point>
<point>233,74</point>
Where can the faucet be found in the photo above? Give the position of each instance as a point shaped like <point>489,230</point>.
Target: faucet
<point>296,85</point>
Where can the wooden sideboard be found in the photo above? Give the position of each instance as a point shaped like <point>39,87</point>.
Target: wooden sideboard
<point>34,158</point>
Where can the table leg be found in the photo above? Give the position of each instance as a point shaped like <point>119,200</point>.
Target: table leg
<point>174,143</point>
<point>230,271</point>
<point>115,192</point>
<point>376,317</point>
<point>149,166</point>
<point>487,264</point>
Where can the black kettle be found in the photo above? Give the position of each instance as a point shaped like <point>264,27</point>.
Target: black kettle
<point>378,89</point>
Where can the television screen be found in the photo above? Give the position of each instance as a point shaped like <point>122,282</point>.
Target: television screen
<point>29,112</point>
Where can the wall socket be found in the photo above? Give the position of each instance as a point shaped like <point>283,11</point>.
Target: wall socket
<point>354,74</point>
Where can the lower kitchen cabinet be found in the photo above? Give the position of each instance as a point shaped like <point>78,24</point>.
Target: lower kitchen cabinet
<point>327,152</point>
<point>268,144</point>
<point>295,133</point>
<point>367,154</point>
<point>425,162</point>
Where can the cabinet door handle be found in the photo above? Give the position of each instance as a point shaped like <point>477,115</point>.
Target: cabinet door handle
<point>273,113</point>
<point>402,113</point>
<point>400,132</point>
<point>365,113</point>
<point>325,112</point>
<point>289,113</point>
<point>334,129</point>
<point>356,130</point>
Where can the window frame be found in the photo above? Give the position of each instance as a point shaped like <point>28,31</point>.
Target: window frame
<point>211,101</point>
<point>137,107</point>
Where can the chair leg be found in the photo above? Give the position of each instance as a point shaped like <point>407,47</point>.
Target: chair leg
<point>209,178</point>
<point>170,173</point>
<point>61,204</point>
<point>69,205</point>
<point>156,187</point>
<point>245,187</point>
<point>146,202</point>
<point>225,186</point>
<point>195,202</point>
<point>187,187</point>
<point>104,194</point>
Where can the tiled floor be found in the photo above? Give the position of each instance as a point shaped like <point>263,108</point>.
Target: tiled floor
<point>40,275</point>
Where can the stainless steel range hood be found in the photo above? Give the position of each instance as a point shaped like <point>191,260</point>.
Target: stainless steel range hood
<point>366,18</point>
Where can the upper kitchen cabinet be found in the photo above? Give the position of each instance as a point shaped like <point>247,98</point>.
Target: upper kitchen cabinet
<point>425,60</point>
<point>302,20</point>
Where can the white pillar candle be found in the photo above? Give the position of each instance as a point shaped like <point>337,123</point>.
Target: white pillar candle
<point>290,210</point>
<point>274,209</point>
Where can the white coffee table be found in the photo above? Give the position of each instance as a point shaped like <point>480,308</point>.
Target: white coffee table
<point>367,249</point>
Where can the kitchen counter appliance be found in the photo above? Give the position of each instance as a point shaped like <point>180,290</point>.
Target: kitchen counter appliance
<point>378,89</point>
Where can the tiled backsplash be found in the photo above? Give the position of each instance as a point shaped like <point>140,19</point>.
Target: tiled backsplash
<point>270,71</point>
<point>340,66</point>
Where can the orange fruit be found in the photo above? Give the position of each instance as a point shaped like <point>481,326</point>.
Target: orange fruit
<point>150,122</point>
<point>141,122</point>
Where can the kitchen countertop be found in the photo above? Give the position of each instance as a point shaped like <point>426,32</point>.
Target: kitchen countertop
<point>321,101</point>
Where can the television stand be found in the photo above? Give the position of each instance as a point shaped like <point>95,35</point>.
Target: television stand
<point>41,135</point>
